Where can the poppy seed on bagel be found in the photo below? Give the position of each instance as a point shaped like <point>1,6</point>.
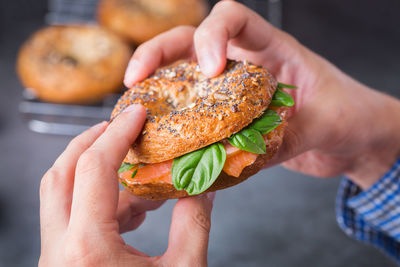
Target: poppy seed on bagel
<point>202,134</point>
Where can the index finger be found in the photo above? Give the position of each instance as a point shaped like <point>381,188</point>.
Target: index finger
<point>57,185</point>
<point>95,196</point>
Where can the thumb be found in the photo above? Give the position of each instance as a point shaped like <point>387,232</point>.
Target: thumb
<point>190,228</point>
<point>303,132</point>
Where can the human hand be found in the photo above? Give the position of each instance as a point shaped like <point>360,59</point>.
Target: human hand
<point>82,214</point>
<point>337,124</point>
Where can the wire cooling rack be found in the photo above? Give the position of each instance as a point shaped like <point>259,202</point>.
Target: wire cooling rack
<point>60,119</point>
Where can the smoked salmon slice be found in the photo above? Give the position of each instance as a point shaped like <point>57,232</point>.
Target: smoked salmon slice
<point>236,161</point>
<point>149,173</point>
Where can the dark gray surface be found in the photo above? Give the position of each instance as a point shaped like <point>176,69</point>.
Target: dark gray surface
<point>277,218</point>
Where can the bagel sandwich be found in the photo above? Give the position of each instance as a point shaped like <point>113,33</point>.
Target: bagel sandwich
<point>203,134</point>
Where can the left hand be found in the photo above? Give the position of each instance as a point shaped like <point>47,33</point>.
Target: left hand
<point>82,213</point>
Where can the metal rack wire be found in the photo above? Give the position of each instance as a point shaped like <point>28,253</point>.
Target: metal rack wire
<point>71,120</point>
<point>63,119</point>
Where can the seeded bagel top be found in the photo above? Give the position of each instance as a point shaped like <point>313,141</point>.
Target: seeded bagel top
<point>187,111</point>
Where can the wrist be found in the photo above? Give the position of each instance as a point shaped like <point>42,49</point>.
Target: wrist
<point>369,169</point>
<point>380,133</point>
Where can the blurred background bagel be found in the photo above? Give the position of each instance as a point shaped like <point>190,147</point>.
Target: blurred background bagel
<point>73,64</point>
<point>141,20</point>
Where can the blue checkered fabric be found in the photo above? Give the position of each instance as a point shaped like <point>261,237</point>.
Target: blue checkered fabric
<point>372,216</point>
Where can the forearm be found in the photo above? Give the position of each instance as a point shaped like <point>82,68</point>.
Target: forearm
<point>380,129</point>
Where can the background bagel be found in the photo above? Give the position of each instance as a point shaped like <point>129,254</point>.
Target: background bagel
<point>73,64</point>
<point>141,20</point>
<point>187,111</point>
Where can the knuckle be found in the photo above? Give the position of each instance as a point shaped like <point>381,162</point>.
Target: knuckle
<point>75,250</point>
<point>76,142</point>
<point>292,143</point>
<point>202,221</point>
<point>89,161</point>
<point>79,252</point>
<point>202,34</point>
<point>210,30</point>
<point>48,180</point>
<point>125,140</point>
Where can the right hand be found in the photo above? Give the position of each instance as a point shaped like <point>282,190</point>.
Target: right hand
<point>337,125</point>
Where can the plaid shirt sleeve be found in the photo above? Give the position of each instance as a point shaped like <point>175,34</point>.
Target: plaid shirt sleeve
<point>372,216</point>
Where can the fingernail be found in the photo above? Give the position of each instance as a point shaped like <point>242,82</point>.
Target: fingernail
<point>130,73</point>
<point>208,63</point>
<point>132,108</point>
<point>211,195</point>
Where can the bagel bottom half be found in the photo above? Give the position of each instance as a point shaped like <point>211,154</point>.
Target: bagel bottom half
<point>160,190</point>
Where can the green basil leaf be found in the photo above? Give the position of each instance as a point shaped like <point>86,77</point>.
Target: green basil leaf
<point>124,184</point>
<point>197,171</point>
<point>267,122</point>
<point>134,173</point>
<point>249,140</point>
<point>281,98</point>
<point>283,85</point>
<point>183,168</point>
<point>125,166</point>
